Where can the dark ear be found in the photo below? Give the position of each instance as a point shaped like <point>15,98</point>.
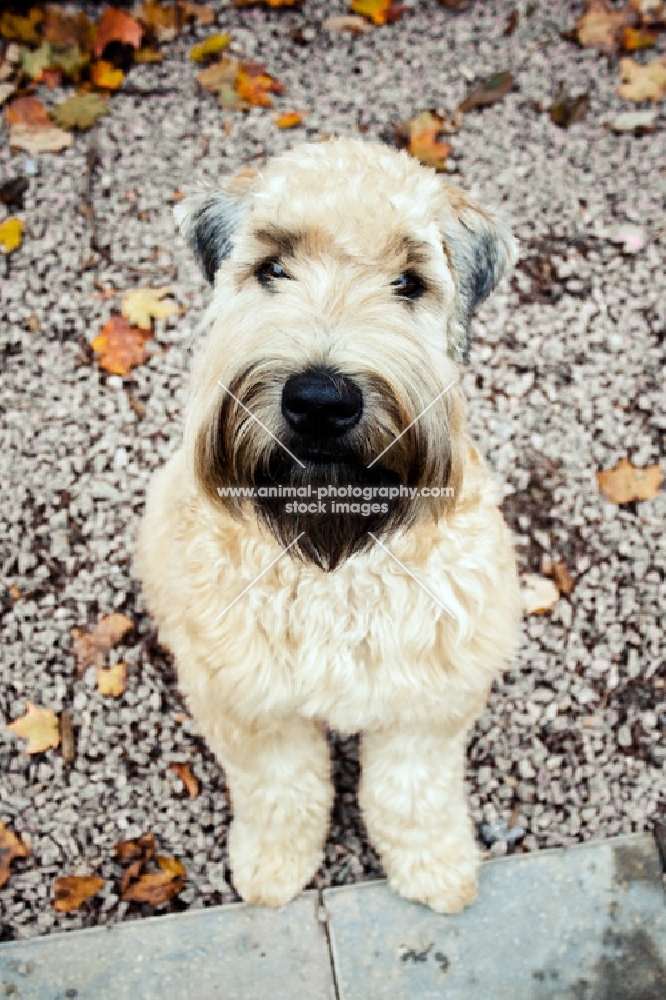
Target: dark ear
<point>480,249</point>
<point>208,222</point>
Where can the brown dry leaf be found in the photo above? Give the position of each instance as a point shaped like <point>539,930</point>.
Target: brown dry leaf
<point>378,11</point>
<point>635,39</point>
<point>67,747</point>
<point>566,110</point>
<point>142,849</point>
<point>205,16</point>
<point>117,26</point>
<point>112,681</point>
<point>626,482</point>
<point>16,28</point>
<point>562,578</point>
<point>651,12</point>
<point>600,27</point>
<point>39,726</point>
<point>71,891</point>
<point>158,887</point>
<point>10,847</point>
<point>120,346</point>
<point>185,774</point>
<point>65,30</point>
<point>28,111</point>
<point>489,92</point>
<point>643,83</point>
<point>255,87</point>
<point>162,22</point>
<point>108,632</point>
<point>143,305</point>
<point>353,23</point>
<point>422,136</point>
<point>219,74</point>
<point>539,594</point>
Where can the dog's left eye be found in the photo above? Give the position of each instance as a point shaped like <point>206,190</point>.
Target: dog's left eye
<point>269,270</point>
<point>408,286</point>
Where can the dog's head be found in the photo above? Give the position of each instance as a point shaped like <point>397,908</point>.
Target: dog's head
<point>345,278</point>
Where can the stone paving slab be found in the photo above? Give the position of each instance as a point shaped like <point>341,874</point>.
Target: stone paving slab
<point>581,923</point>
<point>234,952</point>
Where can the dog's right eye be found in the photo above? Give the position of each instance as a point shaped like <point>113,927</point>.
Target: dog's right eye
<point>269,270</point>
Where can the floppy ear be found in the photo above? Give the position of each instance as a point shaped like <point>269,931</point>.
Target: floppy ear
<point>209,219</point>
<point>480,249</point>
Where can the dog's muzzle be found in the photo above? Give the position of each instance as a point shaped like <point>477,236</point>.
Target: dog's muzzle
<point>320,406</point>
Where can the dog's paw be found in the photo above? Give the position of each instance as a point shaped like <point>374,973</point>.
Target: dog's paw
<point>268,871</point>
<point>442,876</point>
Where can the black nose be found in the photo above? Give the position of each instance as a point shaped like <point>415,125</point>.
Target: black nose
<point>321,404</point>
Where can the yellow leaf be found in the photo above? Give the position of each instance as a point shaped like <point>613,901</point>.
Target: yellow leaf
<point>642,83</point>
<point>290,119</point>
<point>376,11</point>
<point>144,304</point>
<point>39,726</point>
<point>210,47</point>
<point>105,76</point>
<point>112,681</point>
<point>11,234</point>
<point>539,594</point>
<point>625,482</point>
<point>71,891</point>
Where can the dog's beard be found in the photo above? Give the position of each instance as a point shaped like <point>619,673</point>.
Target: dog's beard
<point>328,537</point>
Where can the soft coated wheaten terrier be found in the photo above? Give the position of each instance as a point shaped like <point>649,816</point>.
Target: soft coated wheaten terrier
<point>345,276</point>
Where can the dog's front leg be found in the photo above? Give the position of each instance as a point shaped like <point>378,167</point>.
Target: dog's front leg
<point>279,777</point>
<point>413,799</point>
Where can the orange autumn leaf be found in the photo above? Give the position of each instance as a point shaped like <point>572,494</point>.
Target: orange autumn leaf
<point>11,847</point>
<point>39,726</point>
<point>71,891</point>
<point>634,39</point>
<point>625,482</point>
<point>378,11</point>
<point>290,119</point>
<point>157,887</point>
<point>28,111</point>
<point>422,137</point>
<point>112,681</point>
<point>105,76</point>
<point>108,632</point>
<point>120,346</point>
<point>255,89</point>
<point>188,779</point>
<point>117,26</point>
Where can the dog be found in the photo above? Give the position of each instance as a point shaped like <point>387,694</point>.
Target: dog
<point>345,275</point>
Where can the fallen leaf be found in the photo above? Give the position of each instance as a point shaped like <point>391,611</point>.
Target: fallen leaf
<point>28,111</point>
<point>105,75</point>
<point>141,848</point>
<point>38,139</point>
<point>488,92</point>
<point>267,3</point>
<point>289,119</point>
<point>71,891</point>
<point>67,747</point>
<point>642,83</point>
<point>51,77</point>
<point>145,304</point>
<point>11,234</point>
<point>112,681</point>
<point>632,121</point>
<point>219,74</point>
<point>600,26</point>
<point>163,22</point>
<point>651,12</point>
<point>566,110</point>
<point>212,46</point>
<point>422,137</point>
<point>562,578</point>
<point>158,887</point>
<point>148,56</point>
<point>185,774</point>
<point>255,88</point>
<point>353,23</point>
<point>82,111</point>
<point>625,482</point>
<point>10,847</point>
<point>378,11</point>
<point>34,62</point>
<point>635,39</point>
<point>15,28</point>
<point>39,726</point>
<point>72,62</point>
<point>539,594</point>
<point>117,26</point>
<point>108,632</point>
<point>512,23</point>
<point>66,30</point>
<point>205,16</point>
<point>120,346</point>
<point>13,190</point>
<point>230,100</point>
<point>6,91</point>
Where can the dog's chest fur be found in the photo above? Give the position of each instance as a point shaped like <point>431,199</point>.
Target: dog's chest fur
<point>357,647</point>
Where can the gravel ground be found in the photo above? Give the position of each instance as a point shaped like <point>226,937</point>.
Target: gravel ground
<point>566,377</point>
